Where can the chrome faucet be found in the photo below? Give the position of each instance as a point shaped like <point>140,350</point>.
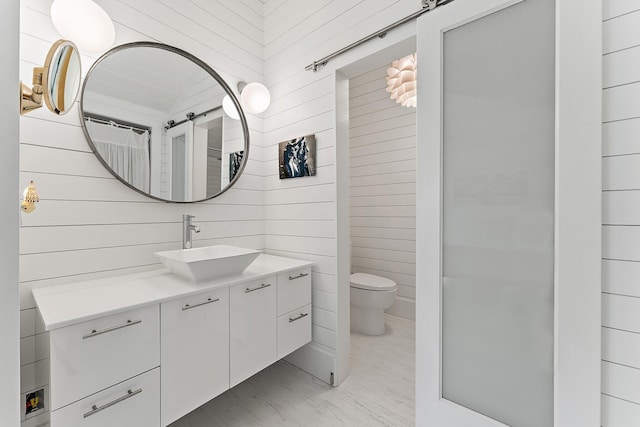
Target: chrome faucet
<point>187,228</point>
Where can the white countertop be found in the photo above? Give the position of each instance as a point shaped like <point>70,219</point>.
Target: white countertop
<point>64,305</point>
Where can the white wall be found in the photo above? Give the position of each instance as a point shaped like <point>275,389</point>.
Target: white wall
<point>87,223</point>
<point>9,198</point>
<point>620,231</point>
<point>383,186</point>
<point>302,214</point>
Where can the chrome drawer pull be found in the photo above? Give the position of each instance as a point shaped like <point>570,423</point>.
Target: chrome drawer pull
<point>95,409</point>
<point>298,318</point>
<point>298,276</point>
<point>264,285</point>
<point>95,333</point>
<point>208,301</point>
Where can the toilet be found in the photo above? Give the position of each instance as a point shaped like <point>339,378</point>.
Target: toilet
<point>370,296</point>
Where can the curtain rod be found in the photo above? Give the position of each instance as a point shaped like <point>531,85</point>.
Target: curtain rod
<point>427,6</point>
<point>96,118</point>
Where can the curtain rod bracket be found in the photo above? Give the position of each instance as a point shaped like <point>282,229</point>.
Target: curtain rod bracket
<point>431,4</point>
<point>316,65</point>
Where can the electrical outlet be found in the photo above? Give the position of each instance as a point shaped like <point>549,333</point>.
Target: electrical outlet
<point>33,403</point>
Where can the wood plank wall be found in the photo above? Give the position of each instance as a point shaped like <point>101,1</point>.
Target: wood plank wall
<point>383,186</point>
<point>621,219</point>
<point>301,213</point>
<point>88,224</point>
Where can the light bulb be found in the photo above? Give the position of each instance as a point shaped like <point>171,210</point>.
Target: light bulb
<point>230,108</point>
<point>85,23</point>
<point>255,98</point>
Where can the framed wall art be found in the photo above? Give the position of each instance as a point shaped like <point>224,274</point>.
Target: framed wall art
<point>297,157</point>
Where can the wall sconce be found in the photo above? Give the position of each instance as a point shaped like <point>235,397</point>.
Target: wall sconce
<point>85,22</point>
<point>401,80</point>
<point>29,198</point>
<point>58,82</point>
<point>254,98</point>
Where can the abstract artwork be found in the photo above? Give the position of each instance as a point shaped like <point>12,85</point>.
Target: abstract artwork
<point>297,157</point>
<point>235,160</point>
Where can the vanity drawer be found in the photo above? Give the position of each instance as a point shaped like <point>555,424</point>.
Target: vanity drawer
<point>132,403</point>
<point>294,290</point>
<point>294,330</point>
<point>91,356</point>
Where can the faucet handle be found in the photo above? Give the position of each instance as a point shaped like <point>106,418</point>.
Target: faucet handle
<point>187,217</point>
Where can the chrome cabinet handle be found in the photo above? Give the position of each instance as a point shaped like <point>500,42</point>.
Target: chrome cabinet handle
<point>95,332</point>
<point>298,276</point>
<point>95,409</point>
<point>262,286</point>
<point>298,318</point>
<point>208,301</point>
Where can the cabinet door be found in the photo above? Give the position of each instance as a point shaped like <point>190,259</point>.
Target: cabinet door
<point>194,352</point>
<point>253,328</point>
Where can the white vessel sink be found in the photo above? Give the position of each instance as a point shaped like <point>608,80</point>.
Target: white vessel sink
<point>199,264</point>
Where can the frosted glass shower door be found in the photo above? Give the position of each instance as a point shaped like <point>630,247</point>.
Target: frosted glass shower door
<point>180,142</point>
<point>495,216</point>
<point>498,214</point>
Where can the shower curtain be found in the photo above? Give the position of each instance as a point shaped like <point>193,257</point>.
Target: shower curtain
<point>126,152</point>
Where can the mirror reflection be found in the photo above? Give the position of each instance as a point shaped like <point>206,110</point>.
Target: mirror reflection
<point>57,82</point>
<point>63,78</point>
<point>153,115</point>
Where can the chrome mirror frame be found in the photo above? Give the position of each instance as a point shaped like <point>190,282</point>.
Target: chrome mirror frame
<point>210,71</point>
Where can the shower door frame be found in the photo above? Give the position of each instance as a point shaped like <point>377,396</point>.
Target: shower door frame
<point>577,223</point>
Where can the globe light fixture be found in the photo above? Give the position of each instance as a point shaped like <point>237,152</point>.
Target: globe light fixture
<point>255,97</point>
<point>230,108</point>
<point>85,23</point>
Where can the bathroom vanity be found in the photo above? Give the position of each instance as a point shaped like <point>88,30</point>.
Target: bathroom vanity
<point>146,349</point>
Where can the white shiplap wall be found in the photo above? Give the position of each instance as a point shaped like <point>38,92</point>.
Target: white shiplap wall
<point>621,215</point>
<point>301,214</point>
<point>87,223</point>
<point>383,186</point>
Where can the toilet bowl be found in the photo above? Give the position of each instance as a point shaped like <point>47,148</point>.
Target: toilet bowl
<point>370,296</point>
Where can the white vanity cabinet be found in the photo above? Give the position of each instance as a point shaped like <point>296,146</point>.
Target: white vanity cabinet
<point>144,350</point>
<point>252,328</point>
<point>194,352</point>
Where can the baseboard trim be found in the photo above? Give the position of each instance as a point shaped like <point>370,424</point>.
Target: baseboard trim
<point>403,307</point>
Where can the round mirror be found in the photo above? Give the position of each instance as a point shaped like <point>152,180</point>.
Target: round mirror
<point>153,116</point>
<point>61,76</point>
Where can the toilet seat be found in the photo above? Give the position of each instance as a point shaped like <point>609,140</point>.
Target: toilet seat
<point>371,282</point>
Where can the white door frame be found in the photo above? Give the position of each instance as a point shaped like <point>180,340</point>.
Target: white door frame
<point>577,252</point>
<point>10,192</point>
<point>185,128</point>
